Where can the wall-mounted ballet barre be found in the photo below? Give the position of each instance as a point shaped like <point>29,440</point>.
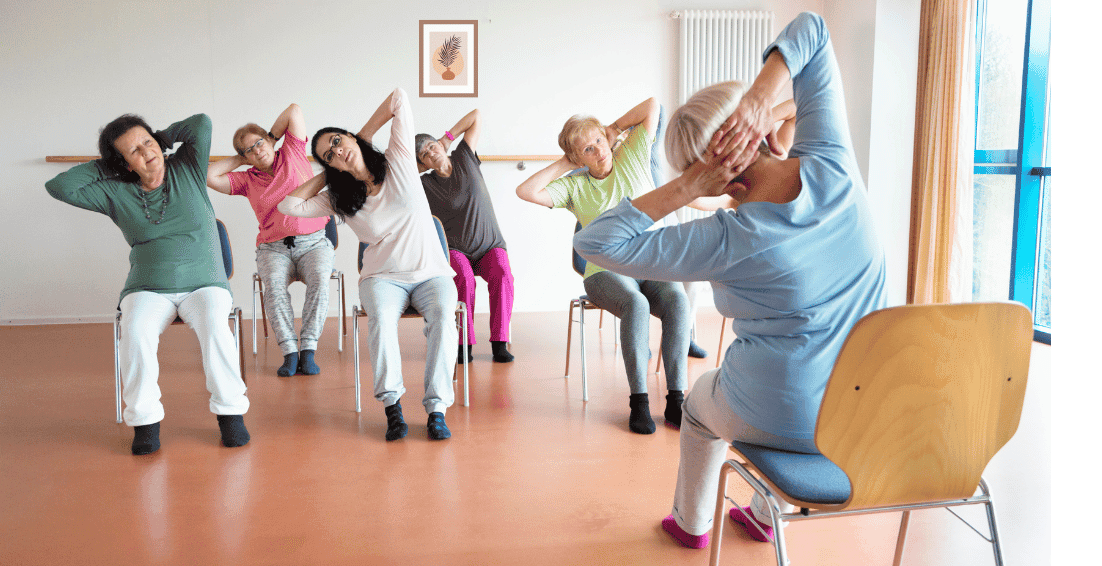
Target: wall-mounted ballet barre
<point>520,159</point>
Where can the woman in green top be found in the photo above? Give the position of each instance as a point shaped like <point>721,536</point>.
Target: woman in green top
<point>615,172</point>
<point>160,203</point>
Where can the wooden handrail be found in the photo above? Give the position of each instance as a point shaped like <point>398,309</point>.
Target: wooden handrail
<point>85,158</point>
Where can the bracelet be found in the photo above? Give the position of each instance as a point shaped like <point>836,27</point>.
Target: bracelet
<point>450,136</point>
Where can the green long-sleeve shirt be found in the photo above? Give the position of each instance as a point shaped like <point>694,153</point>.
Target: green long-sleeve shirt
<point>183,252</point>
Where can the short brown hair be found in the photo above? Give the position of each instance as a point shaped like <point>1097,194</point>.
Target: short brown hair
<point>573,130</point>
<point>250,128</point>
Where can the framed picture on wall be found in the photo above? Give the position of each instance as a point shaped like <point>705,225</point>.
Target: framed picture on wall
<point>449,58</point>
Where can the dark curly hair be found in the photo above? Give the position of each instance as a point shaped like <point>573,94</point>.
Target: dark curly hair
<point>346,193</point>
<point>113,131</point>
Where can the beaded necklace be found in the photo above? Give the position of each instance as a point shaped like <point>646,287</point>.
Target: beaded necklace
<point>145,205</point>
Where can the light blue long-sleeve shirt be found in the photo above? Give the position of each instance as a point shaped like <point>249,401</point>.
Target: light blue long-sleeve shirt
<point>794,277</point>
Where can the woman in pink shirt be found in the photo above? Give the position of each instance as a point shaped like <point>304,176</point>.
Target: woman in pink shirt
<point>287,248</point>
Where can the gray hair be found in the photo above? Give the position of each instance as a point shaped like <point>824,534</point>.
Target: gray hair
<point>692,126</point>
<point>419,143</point>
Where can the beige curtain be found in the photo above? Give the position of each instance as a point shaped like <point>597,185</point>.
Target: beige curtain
<point>942,153</point>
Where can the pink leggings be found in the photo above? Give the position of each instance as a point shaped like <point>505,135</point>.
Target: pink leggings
<point>494,269</point>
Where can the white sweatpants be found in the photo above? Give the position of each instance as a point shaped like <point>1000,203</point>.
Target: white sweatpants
<point>707,426</point>
<point>145,315</point>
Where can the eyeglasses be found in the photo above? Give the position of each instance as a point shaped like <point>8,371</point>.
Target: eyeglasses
<point>333,143</point>
<point>254,146</point>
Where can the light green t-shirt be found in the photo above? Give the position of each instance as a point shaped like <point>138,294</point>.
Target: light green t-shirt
<point>588,198</point>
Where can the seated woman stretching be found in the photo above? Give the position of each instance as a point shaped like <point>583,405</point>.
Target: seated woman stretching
<point>176,266</point>
<point>379,196</point>
<point>612,176</point>
<point>458,197</point>
<point>795,265</point>
<point>286,246</point>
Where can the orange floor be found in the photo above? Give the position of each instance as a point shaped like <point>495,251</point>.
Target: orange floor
<point>531,476</point>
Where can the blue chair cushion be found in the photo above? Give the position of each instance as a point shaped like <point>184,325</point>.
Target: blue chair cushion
<point>808,477</point>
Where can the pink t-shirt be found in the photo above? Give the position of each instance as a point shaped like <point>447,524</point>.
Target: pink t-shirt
<point>290,169</point>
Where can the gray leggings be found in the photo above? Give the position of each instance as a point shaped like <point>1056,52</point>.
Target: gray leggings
<point>633,301</point>
<point>309,261</point>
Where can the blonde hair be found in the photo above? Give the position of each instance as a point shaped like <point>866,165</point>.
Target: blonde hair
<point>575,129</point>
<point>692,125</point>
<point>250,128</point>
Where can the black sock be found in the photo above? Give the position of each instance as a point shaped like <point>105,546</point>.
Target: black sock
<point>674,399</point>
<point>290,365</point>
<point>640,420</point>
<point>695,351</point>
<point>306,365</point>
<point>233,430</point>
<point>438,429</point>
<point>395,425</point>
<point>470,356</point>
<point>147,439</point>
<point>501,354</point>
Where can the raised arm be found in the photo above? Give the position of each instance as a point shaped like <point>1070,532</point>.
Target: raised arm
<point>301,202</point>
<point>382,115</point>
<point>753,120</point>
<point>194,133</point>
<point>534,188</point>
<point>645,113</point>
<point>84,186</point>
<point>290,120</point>
<point>469,126</point>
<point>785,113</point>
<point>218,174</point>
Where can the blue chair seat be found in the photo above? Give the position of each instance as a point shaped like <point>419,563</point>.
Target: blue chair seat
<point>807,477</point>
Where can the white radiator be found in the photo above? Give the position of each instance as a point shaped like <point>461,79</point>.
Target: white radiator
<point>717,46</point>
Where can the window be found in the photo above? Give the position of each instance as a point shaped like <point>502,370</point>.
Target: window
<point>1011,188</point>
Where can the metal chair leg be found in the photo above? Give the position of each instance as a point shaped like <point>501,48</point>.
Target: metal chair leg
<point>581,336</point>
<point>901,541</point>
<point>569,330</point>
<point>343,328</point>
<point>356,351</point>
<point>461,319</point>
<point>721,508</point>
<point>240,339</point>
<point>989,506</point>
<point>256,279</point>
<point>118,369</point>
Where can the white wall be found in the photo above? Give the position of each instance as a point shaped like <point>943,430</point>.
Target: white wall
<point>68,68</point>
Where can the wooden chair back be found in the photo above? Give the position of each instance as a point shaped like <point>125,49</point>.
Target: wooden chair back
<point>922,396</point>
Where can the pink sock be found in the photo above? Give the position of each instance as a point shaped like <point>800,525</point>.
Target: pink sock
<point>745,517</point>
<point>669,524</point>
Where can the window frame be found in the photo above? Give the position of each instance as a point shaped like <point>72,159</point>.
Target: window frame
<point>1028,163</point>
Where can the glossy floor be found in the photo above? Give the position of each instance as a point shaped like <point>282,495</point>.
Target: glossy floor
<point>531,476</point>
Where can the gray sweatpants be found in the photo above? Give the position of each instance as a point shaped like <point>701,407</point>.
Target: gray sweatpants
<point>633,301</point>
<point>309,261</point>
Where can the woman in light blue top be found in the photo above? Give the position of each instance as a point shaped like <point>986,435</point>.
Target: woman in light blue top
<point>795,265</point>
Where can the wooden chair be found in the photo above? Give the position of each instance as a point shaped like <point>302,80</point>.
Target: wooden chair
<point>460,321</point>
<point>235,318</point>
<point>920,399</point>
<point>338,276</point>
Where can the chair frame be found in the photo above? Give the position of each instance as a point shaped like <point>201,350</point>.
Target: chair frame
<point>338,276</point>
<point>873,354</point>
<point>235,318</point>
<point>460,323</point>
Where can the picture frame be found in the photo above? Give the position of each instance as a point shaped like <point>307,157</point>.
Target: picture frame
<point>448,57</point>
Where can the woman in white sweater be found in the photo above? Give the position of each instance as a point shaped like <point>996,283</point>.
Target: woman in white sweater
<point>379,196</point>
